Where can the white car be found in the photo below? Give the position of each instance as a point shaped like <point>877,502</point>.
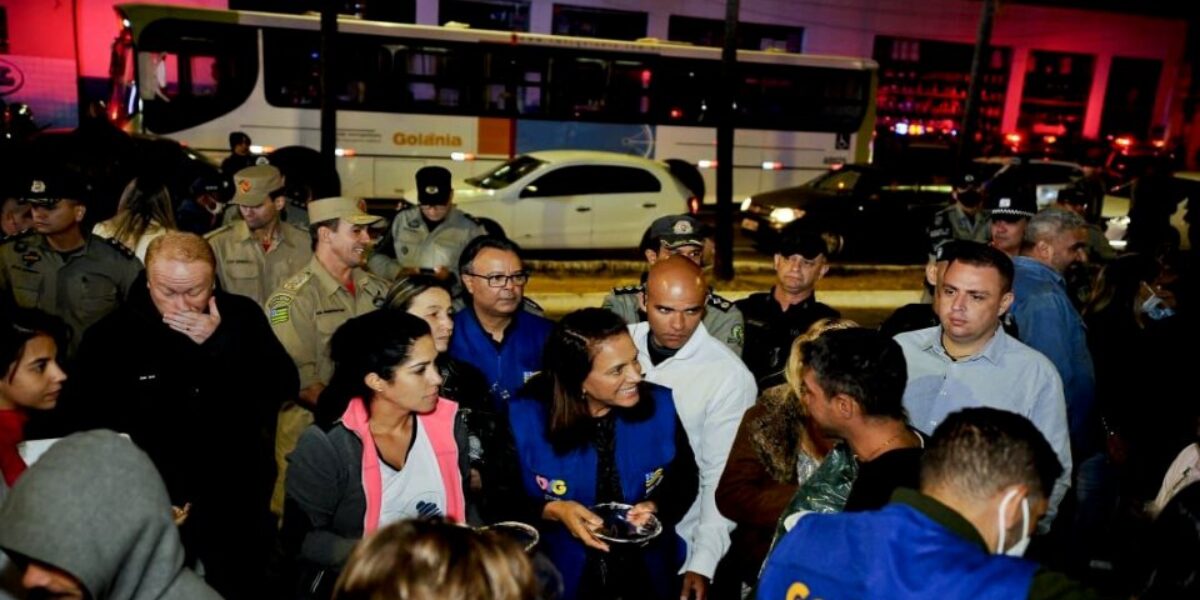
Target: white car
<point>575,199</point>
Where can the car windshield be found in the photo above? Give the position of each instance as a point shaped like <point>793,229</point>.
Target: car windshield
<point>507,173</point>
<point>837,181</point>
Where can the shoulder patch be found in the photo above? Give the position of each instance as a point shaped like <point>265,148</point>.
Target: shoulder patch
<point>737,335</point>
<point>719,302</point>
<point>279,308</point>
<point>214,233</point>
<point>297,281</point>
<point>122,248</point>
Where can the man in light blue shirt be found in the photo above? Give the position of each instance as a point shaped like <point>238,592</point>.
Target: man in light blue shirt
<point>970,361</point>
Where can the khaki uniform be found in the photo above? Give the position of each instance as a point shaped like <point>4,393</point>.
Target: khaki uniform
<point>722,319</point>
<point>80,288</point>
<point>243,267</point>
<point>304,312</point>
<point>410,245</point>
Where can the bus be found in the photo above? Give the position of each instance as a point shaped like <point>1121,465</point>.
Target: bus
<point>413,95</point>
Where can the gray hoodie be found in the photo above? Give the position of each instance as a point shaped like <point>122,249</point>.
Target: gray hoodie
<point>94,506</point>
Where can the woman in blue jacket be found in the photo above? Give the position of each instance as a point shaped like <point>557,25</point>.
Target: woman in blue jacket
<point>588,430</point>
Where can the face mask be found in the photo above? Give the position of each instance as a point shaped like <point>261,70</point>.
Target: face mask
<point>1155,308</point>
<point>1018,549</point>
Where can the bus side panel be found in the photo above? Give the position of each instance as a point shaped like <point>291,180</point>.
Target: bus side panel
<point>791,157</point>
<point>636,139</point>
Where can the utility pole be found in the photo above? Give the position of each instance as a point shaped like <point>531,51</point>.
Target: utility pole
<point>725,118</point>
<point>328,63</point>
<point>983,41</point>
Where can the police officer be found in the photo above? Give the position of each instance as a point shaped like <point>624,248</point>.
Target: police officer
<point>668,236</point>
<point>311,305</point>
<point>202,211</point>
<point>1010,206</point>
<point>776,317</point>
<point>965,219</point>
<point>427,237</point>
<point>56,266</point>
<point>254,255</point>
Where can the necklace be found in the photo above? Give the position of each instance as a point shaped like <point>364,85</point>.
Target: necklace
<point>879,449</point>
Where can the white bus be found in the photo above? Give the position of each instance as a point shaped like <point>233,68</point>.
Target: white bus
<point>412,95</point>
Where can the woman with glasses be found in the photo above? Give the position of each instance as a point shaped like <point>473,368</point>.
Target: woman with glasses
<point>398,451</point>
<point>588,430</point>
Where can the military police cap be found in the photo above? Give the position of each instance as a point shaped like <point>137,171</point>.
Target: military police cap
<point>253,185</point>
<point>56,184</point>
<point>433,185</point>
<point>967,181</point>
<point>800,238</point>
<point>673,231</point>
<point>349,209</point>
<point>1013,200</point>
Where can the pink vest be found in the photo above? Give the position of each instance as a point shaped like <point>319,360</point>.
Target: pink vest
<point>439,426</point>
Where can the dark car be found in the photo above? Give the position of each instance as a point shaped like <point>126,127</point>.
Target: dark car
<point>878,214</point>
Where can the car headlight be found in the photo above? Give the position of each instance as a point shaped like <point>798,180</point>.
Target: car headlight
<point>746,204</point>
<point>784,216</point>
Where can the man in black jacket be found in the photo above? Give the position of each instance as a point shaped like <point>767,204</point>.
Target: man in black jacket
<point>195,376</point>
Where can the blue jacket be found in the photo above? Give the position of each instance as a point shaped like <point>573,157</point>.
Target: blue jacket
<point>508,365</point>
<point>900,552</point>
<point>1049,323</point>
<point>643,450</point>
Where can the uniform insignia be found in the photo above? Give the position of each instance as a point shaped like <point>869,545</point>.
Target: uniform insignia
<point>737,335</point>
<point>682,227</point>
<point>262,160</point>
<point>279,308</point>
<point>244,185</point>
<point>30,257</point>
<point>297,281</point>
<point>627,289</point>
<point>122,248</point>
<point>414,224</point>
<point>330,311</point>
<point>37,186</point>
<point>719,302</point>
<point>431,189</point>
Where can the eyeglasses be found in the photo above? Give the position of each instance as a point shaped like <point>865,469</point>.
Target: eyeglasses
<point>499,281</point>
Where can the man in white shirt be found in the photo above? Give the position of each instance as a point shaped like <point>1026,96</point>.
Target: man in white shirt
<point>712,389</point>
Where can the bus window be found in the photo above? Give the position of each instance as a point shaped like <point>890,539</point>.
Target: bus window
<point>362,76</point>
<point>191,73</point>
<point>599,88</point>
<point>801,98</point>
<point>685,92</point>
<point>434,79</point>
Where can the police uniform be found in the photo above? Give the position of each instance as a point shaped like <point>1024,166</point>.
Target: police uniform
<point>722,318</point>
<point>79,286</point>
<point>951,223</point>
<point>304,313</point>
<point>410,245</point>
<point>243,267</point>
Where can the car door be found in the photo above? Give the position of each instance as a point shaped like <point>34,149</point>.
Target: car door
<point>626,200</point>
<point>555,210</point>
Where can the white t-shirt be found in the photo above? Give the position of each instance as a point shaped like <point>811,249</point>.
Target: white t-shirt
<point>416,490</point>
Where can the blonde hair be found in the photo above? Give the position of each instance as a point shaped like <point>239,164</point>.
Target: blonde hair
<point>795,362</point>
<point>436,560</point>
<point>180,246</point>
<point>144,204</point>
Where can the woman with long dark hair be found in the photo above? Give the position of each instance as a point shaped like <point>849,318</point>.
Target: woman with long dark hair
<point>588,430</point>
<point>398,450</point>
<point>30,380</point>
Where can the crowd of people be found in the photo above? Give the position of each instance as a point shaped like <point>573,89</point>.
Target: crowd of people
<point>199,401</point>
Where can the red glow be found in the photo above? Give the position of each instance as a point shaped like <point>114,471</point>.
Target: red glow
<point>1123,142</point>
<point>646,78</point>
<point>676,113</point>
<point>1160,143</point>
<point>1013,138</point>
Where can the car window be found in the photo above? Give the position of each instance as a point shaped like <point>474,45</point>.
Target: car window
<point>840,181</point>
<point>507,173</point>
<point>593,179</point>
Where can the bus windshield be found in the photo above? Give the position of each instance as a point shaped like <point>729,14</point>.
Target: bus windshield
<point>507,173</point>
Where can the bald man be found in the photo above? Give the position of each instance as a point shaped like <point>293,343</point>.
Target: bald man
<point>712,388</point>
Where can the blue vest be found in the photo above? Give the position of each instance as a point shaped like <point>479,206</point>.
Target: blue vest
<point>643,449</point>
<point>897,552</point>
<point>505,368</point>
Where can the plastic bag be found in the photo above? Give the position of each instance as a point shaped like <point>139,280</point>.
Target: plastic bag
<point>825,491</point>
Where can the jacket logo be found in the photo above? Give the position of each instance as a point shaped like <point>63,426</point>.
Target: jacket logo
<point>556,487</point>
<point>798,591</point>
<point>653,479</point>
